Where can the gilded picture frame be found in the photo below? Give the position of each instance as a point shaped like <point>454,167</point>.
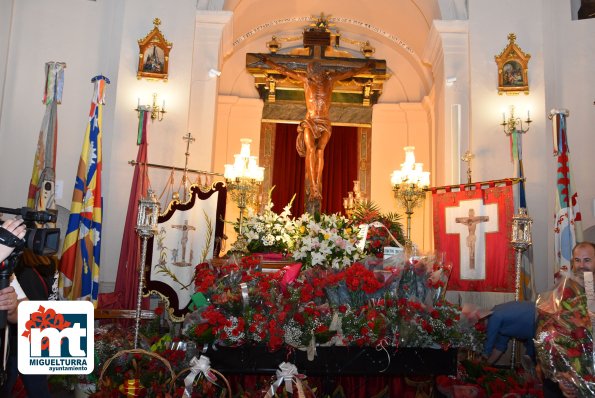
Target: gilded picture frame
<point>153,55</point>
<point>512,69</point>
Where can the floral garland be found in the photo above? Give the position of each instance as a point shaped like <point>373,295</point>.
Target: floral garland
<point>352,306</point>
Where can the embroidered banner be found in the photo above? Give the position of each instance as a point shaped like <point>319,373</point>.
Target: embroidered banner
<point>473,229</point>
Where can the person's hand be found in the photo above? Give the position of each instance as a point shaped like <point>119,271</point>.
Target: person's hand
<point>16,227</point>
<point>8,300</point>
<point>567,387</point>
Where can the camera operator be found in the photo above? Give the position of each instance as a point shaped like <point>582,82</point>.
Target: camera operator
<point>34,385</point>
<point>11,295</point>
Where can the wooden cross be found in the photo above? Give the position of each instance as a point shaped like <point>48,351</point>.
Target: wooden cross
<point>316,40</point>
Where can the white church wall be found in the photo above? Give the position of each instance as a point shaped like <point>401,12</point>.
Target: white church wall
<point>93,38</point>
<point>395,126</point>
<point>570,83</point>
<point>489,25</point>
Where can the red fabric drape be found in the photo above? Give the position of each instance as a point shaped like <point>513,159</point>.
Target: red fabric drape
<point>288,171</point>
<point>340,169</point>
<point>499,256</point>
<point>125,292</point>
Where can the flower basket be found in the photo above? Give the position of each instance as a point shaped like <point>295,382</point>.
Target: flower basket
<point>193,375</point>
<point>131,387</point>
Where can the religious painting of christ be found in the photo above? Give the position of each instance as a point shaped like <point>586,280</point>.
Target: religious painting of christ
<point>513,67</point>
<point>473,229</point>
<point>188,234</point>
<point>153,55</point>
<point>154,60</point>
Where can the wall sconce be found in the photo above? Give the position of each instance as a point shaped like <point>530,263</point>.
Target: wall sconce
<point>157,112</point>
<point>214,73</point>
<point>514,123</point>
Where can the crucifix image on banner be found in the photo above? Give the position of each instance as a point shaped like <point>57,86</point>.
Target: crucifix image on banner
<point>472,228</point>
<point>471,220</point>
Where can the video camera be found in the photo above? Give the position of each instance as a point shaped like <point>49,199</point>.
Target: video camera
<point>42,241</point>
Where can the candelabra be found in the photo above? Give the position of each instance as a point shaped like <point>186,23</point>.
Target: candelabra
<point>146,227</point>
<point>520,241</point>
<point>157,112</point>
<point>409,184</point>
<point>243,180</point>
<point>353,199</point>
<point>514,123</point>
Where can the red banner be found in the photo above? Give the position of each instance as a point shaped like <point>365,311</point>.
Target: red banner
<point>473,229</point>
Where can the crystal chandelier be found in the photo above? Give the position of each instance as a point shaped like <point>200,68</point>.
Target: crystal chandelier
<point>409,184</point>
<point>243,179</point>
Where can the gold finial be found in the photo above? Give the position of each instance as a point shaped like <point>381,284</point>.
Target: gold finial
<point>156,22</point>
<point>511,37</point>
<point>321,22</point>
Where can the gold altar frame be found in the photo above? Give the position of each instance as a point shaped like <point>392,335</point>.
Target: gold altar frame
<point>512,69</point>
<point>153,55</point>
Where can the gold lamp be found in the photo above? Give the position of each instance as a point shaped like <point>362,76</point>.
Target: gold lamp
<point>409,184</point>
<point>243,179</point>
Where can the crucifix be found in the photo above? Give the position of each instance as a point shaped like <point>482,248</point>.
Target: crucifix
<point>184,242</point>
<point>185,181</point>
<point>476,268</point>
<point>317,74</point>
<point>471,223</point>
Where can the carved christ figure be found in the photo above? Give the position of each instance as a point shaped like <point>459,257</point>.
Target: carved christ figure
<point>471,222</point>
<point>314,132</point>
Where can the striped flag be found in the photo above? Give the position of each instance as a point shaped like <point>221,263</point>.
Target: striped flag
<point>79,265</point>
<point>41,194</point>
<point>567,227</point>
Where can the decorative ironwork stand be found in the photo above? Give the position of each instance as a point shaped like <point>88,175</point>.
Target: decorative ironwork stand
<point>520,241</point>
<point>146,227</point>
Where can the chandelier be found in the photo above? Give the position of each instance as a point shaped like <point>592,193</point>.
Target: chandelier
<point>243,179</point>
<point>409,184</point>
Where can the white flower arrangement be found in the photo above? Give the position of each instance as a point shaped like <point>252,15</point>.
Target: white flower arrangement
<point>325,240</point>
<point>269,231</point>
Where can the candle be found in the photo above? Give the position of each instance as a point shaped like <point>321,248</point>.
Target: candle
<point>503,117</point>
<point>138,104</point>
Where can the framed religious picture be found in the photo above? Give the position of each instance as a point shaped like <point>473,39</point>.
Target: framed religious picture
<point>153,55</point>
<point>512,69</point>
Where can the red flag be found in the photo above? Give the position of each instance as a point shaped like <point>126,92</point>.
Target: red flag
<point>127,277</point>
<point>473,229</point>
